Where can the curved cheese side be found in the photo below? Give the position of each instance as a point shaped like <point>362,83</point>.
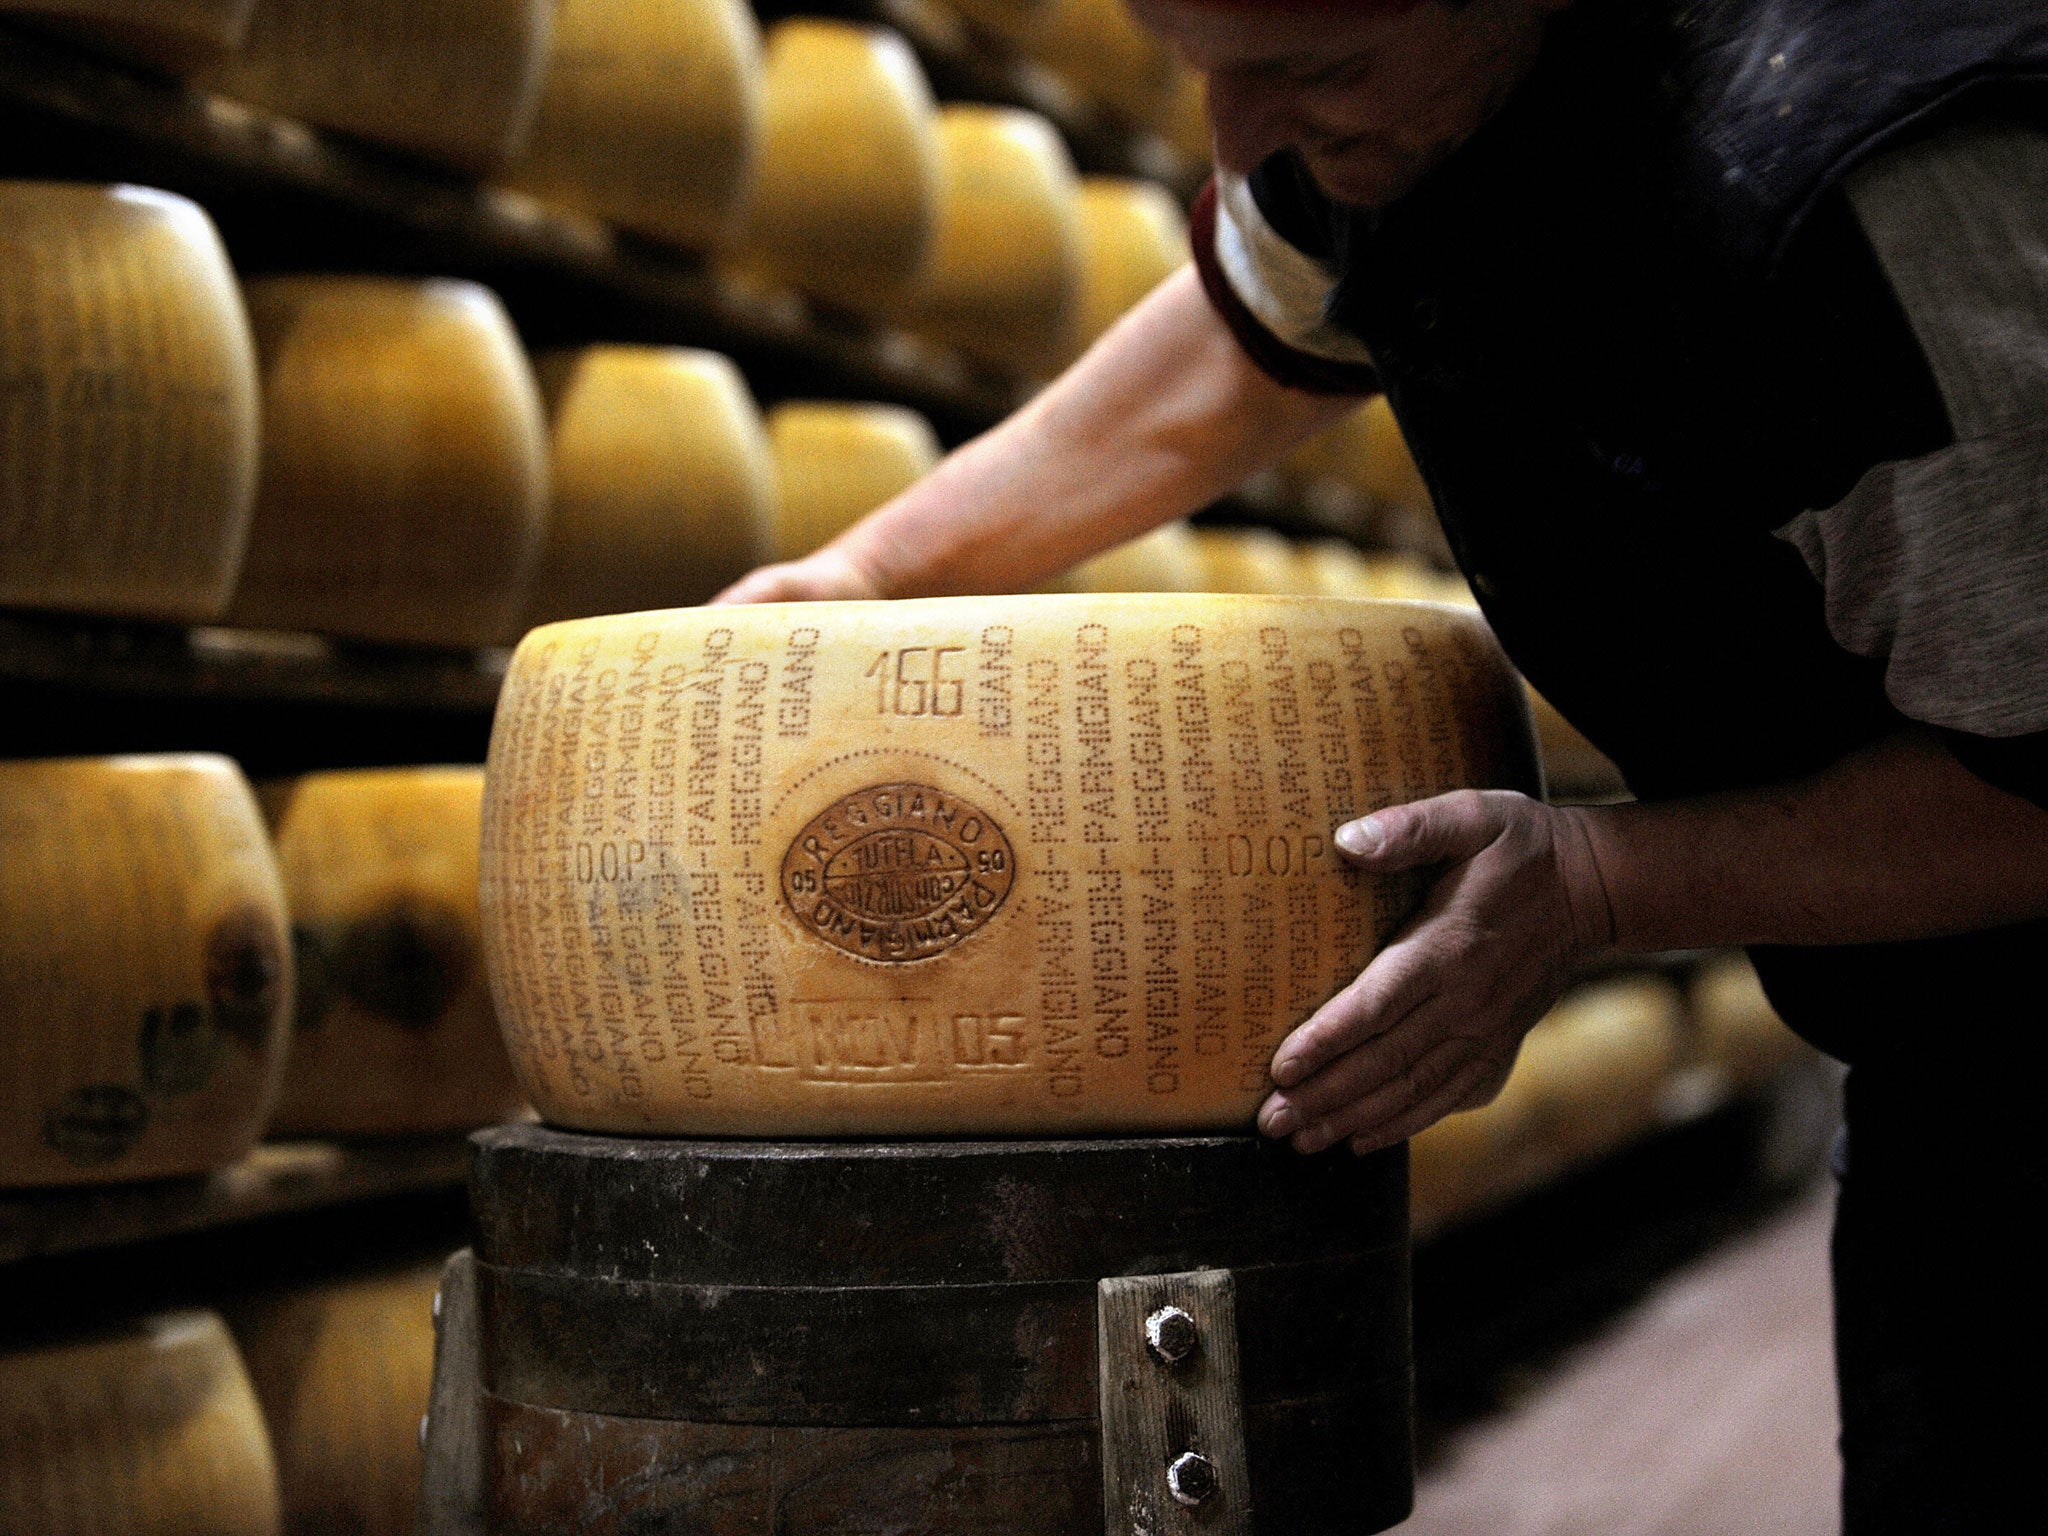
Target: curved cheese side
<point>1133,237</point>
<point>836,463</point>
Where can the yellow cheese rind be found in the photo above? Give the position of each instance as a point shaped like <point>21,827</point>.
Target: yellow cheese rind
<point>343,1372</point>
<point>845,194</point>
<point>1133,237</point>
<point>147,1430</point>
<point>664,486</point>
<point>1364,454</point>
<point>393,1030</point>
<point>1100,47</point>
<point>1168,559</point>
<point>405,470</point>
<point>145,969</point>
<point>650,117</point>
<point>454,81</point>
<point>973,865</point>
<point>1737,1029</point>
<point>836,463</point>
<point>128,420</point>
<point>1247,560</point>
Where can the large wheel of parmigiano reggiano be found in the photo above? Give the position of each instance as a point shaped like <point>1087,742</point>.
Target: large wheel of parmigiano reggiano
<point>453,81</point>
<point>1100,48</point>
<point>128,415</point>
<point>147,1430</point>
<point>651,116</point>
<point>405,469</point>
<point>393,1032</point>
<point>1737,1029</point>
<point>343,1371</point>
<point>1133,237</point>
<point>834,464</point>
<point>1168,559</point>
<point>172,34</point>
<point>956,865</point>
<point>145,969</point>
<point>1595,1067</point>
<point>846,187</point>
<point>664,487</point>
<point>1005,266</point>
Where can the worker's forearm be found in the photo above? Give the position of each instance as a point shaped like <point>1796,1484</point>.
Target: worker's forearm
<point>1162,416</point>
<point>1897,841</point>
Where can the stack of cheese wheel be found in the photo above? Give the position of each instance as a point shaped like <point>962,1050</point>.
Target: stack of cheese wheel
<point>651,116</point>
<point>1168,559</point>
<point>664,488</point>
<point>128,420</point>
<point>1737,1029</point>
<point>453,81</point>
<point>1005,266</point>
<point>405,473</point>
<point>1096,45</point>
<point>1133,237</point>
<point>834,464</point>
<point>845,193</point>
<point>990,865</point>
<point>145,969</point>
<point>1246,560</point>
<point>175,34</point>
<point>343,1371</point>
<point>1595,1068</point>
<point>394,1033</point>
<point>149,1430</point>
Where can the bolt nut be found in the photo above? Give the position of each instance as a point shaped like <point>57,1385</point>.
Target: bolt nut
<point>1171,1335</point>
<point>1191,1479</point>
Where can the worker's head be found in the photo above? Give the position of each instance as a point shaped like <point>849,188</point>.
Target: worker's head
<point>1371,93</point>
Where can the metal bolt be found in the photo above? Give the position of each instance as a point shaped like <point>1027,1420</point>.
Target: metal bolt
<point>1171,1335</point>
<point>1191,1478</point>
<point>423,1430</point>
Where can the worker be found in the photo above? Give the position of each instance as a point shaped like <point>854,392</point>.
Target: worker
<point>1719,329</point>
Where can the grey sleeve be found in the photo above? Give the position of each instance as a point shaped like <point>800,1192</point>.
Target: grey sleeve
<point>1940,565</point>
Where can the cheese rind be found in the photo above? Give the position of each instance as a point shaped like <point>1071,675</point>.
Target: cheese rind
<point>836,463</point>
<point>1737,1029</point>
<point>393,1032</point>
<point>145,969</point>
<point>664,486</point>
<point>975,865</point>
<point>147,1430</point>
<point>405,465</point>
<point>128,420</point>
<point>1133,237</point>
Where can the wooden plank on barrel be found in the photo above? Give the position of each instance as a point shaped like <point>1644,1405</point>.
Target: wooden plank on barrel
<point>1172,1412</point>
<point>452,1482</point>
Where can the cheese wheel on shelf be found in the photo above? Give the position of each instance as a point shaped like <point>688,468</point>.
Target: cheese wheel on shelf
<point>343,1371</point>
<point>1595,1067</point>
<point>1246,560</point>
<point>846,185</point>
<point>148,1429</point>
<point>1167,559</point>
<point>984,866</point>
<point>1099,47</point>
<point>1468,1160</point>
<point>171,34</point>
<point>1364,453</point>
<point>1133,237</point>
<point>836,463</point>
<point>128,419</point>
<point>393,1032</point>
<point>405,471</point>
<point>1004,270</point>
<point>651,117</point>
<point>1735,1027</point>
<point>452,81</point>
<point>1184,122</point>
<point>664,486</point>
<point>145,969</point>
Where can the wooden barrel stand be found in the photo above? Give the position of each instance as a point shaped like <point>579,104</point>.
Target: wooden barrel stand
<point>1073,1338</point>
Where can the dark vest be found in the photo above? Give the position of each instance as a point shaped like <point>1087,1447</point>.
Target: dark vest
<point>1630,329</point>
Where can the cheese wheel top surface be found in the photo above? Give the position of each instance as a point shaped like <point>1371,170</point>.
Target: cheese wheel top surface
<point>957,865</point>
<point>1133,237</point>
<point>651,116</point>
<point>128,429</point>
<point>405,467</point>
<point>836,463</point>
<point>145,968</point>
<point>664,485</point>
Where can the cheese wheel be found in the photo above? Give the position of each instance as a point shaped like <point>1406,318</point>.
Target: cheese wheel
<point>1005,263</point>
<point>1736,1028</point>
<point>985,866</point>
<point>343,1371</point>
<point>1133,237</point>
<point>453,81</point>
<point>1184,122</point>
<point>834,464</point>
<point>146,1430</point>
<point>1595,1067</point>
<point>1364,453</point>
<point>1246,560</point>
<point>393,1030</point>
<point>1468,1160</point>
<point>128,416</point>
<point>174,34</point>
<point>650,117</point>
<point>846,186</point>
<point>1573,765</point>
<point>1100,48</point>
<point>1168,559</point>
<point>405,474</point>
<point>145,969</point>
<point>664,487</point>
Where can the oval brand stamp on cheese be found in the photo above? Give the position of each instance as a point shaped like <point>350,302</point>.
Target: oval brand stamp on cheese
<point>897,872</point>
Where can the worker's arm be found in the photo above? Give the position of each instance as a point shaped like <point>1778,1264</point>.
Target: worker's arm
<point>1897,841</point>
<point>1163,415</point>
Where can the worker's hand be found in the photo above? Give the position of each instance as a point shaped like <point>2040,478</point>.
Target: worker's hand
<point>1434,1022</point>
<point>818,577</point>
